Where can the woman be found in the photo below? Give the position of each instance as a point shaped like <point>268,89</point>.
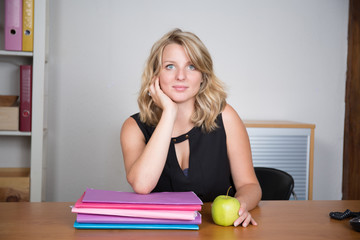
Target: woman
<point>186,137</point>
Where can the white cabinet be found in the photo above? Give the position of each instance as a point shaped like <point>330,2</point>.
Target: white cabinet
<point>286,146</point>
<point>27,148</point>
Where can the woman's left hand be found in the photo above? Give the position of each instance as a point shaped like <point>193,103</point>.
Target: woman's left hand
<point>244,217</point>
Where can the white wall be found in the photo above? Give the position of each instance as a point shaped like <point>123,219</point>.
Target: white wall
<point>281,60</point>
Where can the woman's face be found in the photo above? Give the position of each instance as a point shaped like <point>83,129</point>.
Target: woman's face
<point>179,79</point>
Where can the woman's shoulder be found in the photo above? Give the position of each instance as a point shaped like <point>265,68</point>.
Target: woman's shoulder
<point>230,116</point>
<point>229,112</point>
<point>134,124</point>
<point>133,119</point>
<point>129,123</point>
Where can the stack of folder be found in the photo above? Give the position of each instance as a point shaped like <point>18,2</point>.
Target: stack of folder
<point>104,209</point>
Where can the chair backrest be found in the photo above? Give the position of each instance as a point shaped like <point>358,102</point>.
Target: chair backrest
<point>275,184</point>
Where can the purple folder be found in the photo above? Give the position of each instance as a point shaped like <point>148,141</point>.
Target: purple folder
<point>106,196</point>
<point>92,218</point>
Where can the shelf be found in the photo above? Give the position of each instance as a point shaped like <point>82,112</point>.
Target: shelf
<point>14,133</point>
<point>36,138</point>
<point>16,53</point>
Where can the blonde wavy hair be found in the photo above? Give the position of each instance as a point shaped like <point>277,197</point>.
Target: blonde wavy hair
<point>211,98</point>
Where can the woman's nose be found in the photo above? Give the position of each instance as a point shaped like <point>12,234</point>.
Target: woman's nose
<point>180,74</point>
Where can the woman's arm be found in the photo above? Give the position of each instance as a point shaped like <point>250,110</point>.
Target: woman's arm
<point>248,190</point>
<point>144,163</point>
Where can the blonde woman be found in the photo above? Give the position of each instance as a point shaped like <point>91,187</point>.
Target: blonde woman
<point>186,137</point>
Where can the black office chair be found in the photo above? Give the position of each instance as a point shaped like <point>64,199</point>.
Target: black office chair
<point>275,184</point>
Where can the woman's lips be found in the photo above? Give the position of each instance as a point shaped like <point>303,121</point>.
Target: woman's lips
<point>180,88</point>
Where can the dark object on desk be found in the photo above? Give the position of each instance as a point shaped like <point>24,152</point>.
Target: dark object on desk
<point>275,184</point>
<point>355,223</point>
<point>343,215</point>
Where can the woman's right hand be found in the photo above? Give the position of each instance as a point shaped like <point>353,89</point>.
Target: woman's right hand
<point>160,98</point>
<point>144,162</point>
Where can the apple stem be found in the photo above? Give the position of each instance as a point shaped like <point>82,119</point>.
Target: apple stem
<point>227,193</point>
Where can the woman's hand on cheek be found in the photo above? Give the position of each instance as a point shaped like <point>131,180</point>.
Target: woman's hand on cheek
<point>159,97</point>
<point>244,217</point>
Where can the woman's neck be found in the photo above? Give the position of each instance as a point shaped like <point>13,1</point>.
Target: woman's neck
<point>183,122</point>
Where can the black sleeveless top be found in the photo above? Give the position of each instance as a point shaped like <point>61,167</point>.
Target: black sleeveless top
<point>209,169</point>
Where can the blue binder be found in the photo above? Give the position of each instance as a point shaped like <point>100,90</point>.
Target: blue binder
<point>135,226</point>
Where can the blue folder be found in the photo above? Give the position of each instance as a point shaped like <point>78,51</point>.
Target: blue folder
<point>135,226</point>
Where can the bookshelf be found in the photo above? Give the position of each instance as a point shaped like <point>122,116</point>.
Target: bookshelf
<point>36,158</point>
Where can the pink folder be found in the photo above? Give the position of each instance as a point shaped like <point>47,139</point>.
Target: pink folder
<point>13,25</point>
<point>160,214</point>
<point>168,198</point>
<point>92,218</point>
<point>187,207</point>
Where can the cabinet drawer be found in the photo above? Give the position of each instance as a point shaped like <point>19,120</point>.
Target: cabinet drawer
<point>9,118</point>
<point>14,184</point>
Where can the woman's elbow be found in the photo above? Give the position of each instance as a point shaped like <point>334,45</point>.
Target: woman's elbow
<point>140,187</point>
<point>141,190</point>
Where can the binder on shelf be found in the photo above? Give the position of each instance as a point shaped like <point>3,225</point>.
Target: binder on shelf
<point>25,98</point>
<point>28,25</point>
<point>13,25</point>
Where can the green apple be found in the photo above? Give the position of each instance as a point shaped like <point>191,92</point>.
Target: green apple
<point>225,210</point>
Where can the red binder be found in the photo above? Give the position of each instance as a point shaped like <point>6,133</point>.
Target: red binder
<point>25,98</point>
<point>13,25</point>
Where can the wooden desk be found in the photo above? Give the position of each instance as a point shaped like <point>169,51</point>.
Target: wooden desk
<point>277,220</point>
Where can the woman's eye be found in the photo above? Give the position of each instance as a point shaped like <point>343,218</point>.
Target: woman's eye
<point>170,66</point>
<point>192,67</point>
